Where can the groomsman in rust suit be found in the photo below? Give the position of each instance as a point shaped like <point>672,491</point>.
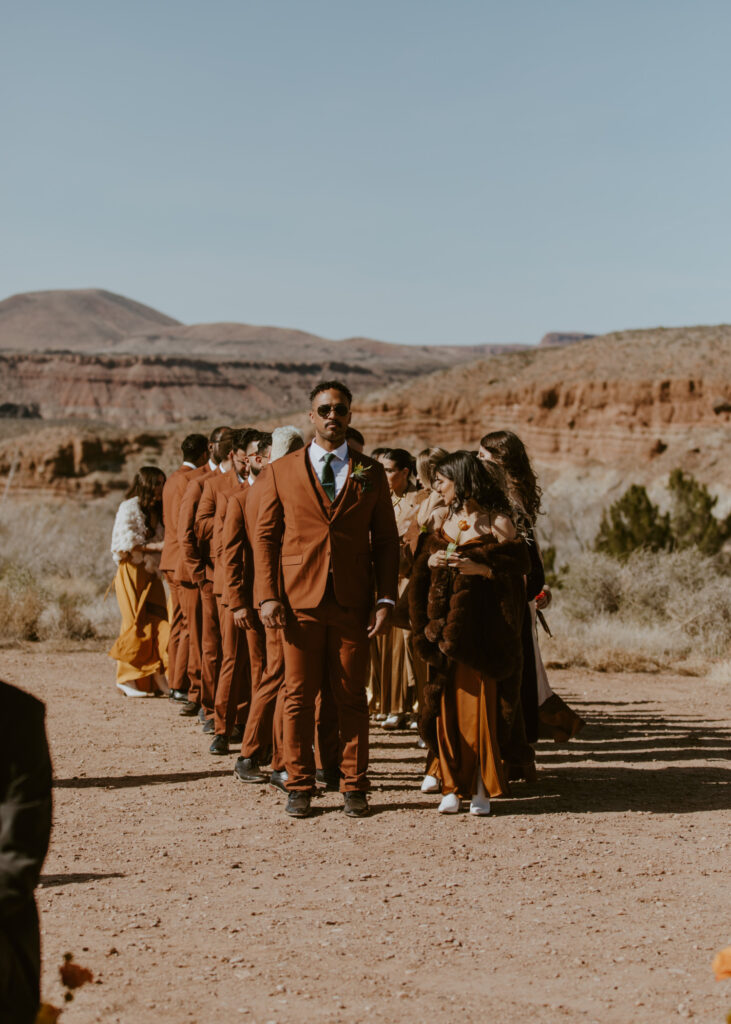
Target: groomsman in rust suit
<point>190,572</point>
<point>195,453</point>
<point>201,539</point>
<point>326,514</point>
<point>233,687</point>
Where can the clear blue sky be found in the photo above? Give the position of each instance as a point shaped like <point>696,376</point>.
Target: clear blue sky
<point>412,170</point>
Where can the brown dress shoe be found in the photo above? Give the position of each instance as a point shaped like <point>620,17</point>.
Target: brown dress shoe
<point>356,805</point>
<point>298,804</point>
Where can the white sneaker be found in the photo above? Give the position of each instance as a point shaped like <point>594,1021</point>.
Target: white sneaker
<point>431,784</point>
<point>132,691</point>
<point>393,722</point>
<point>449,804</point>
<point>480,802</point>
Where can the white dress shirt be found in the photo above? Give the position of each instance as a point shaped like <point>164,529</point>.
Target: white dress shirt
<point>339,463</point>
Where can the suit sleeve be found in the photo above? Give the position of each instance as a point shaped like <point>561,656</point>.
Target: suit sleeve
<point>189,552</point>
<point>384,541</point>
<point>266,541</point>
<point>222,500</point>
<point>233,549</point>
<point>205,514</point>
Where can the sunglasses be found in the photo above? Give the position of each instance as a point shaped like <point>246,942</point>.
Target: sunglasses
<point>340,410</point>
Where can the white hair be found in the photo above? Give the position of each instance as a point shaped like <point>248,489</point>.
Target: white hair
<point>282,438</point>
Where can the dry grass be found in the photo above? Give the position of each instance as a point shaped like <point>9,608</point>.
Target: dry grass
<point>653,612</point>
<point>55,567</point>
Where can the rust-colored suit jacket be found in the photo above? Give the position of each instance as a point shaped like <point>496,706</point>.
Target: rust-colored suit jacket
<point>353,538</point>
<point>205,516</point>
<point>233,486</point>
<point>191,566</point>
<point>172,493</point>
<point>235,552</point>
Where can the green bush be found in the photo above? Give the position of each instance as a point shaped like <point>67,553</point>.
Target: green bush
<point>634,523</point>
<point>692,522</point>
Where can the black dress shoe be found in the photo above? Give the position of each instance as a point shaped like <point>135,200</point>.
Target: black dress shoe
<point>181,695</point>
<point>237,734</point>
<point>298,804</point>
<point>329,777</point>
<point>209,726</point>
<point>247,770</point>
<point>219,745</point>
<point>356,805</point>
<point>279,780</point>
<point>190,709</point>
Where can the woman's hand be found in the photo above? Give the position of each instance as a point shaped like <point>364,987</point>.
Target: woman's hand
<point>438,560</point>
<point>466,566</point>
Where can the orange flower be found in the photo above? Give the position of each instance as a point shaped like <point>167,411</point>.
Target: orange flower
<point>72,975</point>
<point>722,964</point>
<point>47,1014</point>
<point>463,524</point>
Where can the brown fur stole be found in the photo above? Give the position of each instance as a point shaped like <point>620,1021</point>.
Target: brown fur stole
<point>475,620</point>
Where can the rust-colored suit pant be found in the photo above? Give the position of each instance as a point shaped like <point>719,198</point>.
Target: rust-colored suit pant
<point>233,689</point>
<point>326,644</point>
<point>190,603</point>
<point>265,725</point>
<point>178,642</point>
<point>210,647</point>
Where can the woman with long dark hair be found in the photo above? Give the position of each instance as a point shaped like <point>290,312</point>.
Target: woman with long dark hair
<point>467,602</point>
<point>137,538</point>
<point>544,711</point>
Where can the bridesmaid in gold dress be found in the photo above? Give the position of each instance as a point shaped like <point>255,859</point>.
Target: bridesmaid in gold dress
<point>395,672</point>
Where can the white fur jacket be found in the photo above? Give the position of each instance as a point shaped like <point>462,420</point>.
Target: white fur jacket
<point>130,532</point>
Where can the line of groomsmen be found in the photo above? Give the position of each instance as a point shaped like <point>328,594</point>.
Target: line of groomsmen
<point>225,668</point>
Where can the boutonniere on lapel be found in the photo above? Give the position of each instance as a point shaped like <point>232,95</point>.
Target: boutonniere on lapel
<point>358,476</point>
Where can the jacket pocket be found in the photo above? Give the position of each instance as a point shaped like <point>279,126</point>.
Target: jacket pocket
<point>291,559</point>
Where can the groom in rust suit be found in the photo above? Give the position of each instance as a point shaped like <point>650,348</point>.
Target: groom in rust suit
<point>325,515</point>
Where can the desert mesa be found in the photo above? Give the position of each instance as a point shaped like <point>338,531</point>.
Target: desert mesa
<point>92,383</point>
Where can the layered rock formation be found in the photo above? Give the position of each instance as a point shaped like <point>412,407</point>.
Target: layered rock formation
<point>94,355</point>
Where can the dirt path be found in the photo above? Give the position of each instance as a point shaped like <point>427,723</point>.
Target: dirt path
<point>599,895</point>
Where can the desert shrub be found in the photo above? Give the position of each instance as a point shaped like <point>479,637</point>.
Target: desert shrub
<point>692,522</point>
<point>55,567</point>
<point>22,602</point>
<point>652,610</point>
<point>634,523</point>
<point>631,523</point>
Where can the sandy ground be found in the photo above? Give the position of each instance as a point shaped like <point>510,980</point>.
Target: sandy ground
<point>598,895</point>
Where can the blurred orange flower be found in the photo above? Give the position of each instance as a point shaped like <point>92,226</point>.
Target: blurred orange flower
<point>722,964</point>
<point>48,1014</point>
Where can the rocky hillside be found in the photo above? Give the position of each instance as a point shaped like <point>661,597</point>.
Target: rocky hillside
<point>94,355</point>
<point>596,413</point>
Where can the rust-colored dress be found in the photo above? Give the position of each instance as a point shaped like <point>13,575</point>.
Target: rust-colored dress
<point>467,730</point>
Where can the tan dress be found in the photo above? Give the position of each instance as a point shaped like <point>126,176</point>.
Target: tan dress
<point>141,647</point>
<point>396,671</point>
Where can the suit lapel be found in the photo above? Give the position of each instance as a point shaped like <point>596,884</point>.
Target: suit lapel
<point>311,481</point>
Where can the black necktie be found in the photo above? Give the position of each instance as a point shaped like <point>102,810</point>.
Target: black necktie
<point>328,476</point>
